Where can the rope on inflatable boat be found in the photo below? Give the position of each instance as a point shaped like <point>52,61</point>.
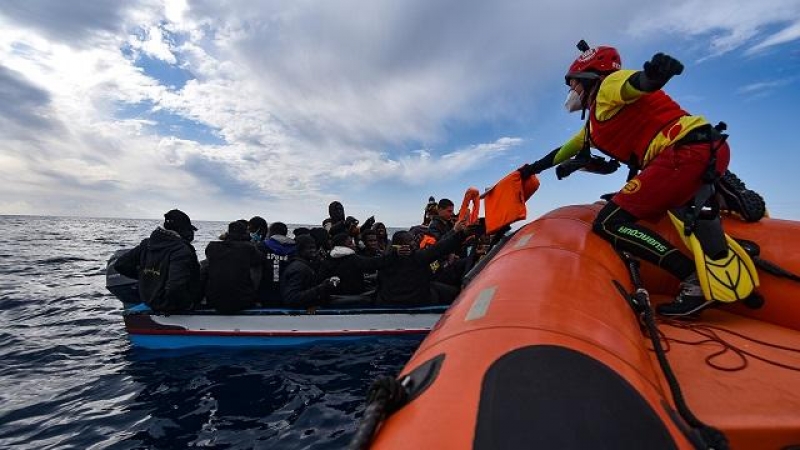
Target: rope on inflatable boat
<point>386,395</point>
<point>703,435</point>
<point>712,334</point>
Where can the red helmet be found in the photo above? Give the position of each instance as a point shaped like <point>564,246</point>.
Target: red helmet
<point>594,62</point>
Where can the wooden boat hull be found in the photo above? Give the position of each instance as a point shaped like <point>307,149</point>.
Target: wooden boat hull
<point>276,327</point>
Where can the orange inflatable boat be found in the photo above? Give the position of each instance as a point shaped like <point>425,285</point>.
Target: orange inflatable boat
<point>542,350</point>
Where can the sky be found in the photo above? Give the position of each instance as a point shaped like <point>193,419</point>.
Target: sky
<point>232,109</point>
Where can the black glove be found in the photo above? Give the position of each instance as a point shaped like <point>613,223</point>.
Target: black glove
<point>662,67</point>
<point>566,168</point>
<point>600,165</point>
<point>527,170</point>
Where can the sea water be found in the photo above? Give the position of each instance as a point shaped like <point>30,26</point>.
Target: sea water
<point>70,379</point>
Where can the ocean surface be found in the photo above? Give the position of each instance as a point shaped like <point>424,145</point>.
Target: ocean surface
<point>69,378</point>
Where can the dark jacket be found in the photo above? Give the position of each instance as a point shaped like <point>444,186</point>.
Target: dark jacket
<point>278,250</point>
<point>350,268</point>
<point>300,285</point>
<point>407,281</point>
<point>167,269</point>
<point>230,287</point>
<point>280,245</point>
<point>438,227</point>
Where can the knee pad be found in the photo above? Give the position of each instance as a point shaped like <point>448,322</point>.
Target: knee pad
<point>610,218</point>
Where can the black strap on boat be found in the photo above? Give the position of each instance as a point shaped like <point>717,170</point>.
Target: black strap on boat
<point>774,269</point>
<point>387,394</point>
<point>702,436</point>
<point>754,250</point>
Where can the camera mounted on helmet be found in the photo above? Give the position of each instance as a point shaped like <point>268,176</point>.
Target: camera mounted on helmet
<point>587,70</point>
<point>593,63</point>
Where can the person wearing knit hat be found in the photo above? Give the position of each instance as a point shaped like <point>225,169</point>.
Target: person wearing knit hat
<point>166,265</point>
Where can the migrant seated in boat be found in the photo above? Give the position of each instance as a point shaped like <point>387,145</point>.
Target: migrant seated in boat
<point>349,267</point>
<point>371,249</point>
<point>299,284</point>
<point>230,287</point>
<point>383,237</point>
<point>166,265</point>
<point>409,280</point>
<point>278,249</point>
<point>258,229</point>
<point>442,221</point>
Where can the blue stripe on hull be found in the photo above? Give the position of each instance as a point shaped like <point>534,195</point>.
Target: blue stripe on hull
<point>168,342</point>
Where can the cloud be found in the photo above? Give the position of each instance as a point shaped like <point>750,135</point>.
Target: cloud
<point>764,88</point>
<point>25,109</point>
<point>152,42</point>
<point>137,106</point>
<point>787,34</point>
<point>76,22</point>
<point>727,25</point>
<point>423,166</point>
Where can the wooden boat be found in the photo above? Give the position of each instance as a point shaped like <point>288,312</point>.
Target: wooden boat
<point>346,318</point>
<point>542,350</point>
<point>276,327</point>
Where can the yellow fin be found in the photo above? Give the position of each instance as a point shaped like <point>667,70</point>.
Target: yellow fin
<point>727,279</point>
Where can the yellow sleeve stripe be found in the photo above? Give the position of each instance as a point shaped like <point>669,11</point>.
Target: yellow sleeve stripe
<point>570,148</point>
<point>615,92</point>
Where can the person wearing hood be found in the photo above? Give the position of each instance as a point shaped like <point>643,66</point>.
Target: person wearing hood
<point>383,236</point>
<point>350,267</point>
<point>279,243</point>
<point>166,265</point>
<point>230,287</point>
<point>336,216</point>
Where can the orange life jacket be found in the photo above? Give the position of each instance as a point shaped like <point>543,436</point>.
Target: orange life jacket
<point>470,206</point>
<point>505,201</point>
<point>427,240</point>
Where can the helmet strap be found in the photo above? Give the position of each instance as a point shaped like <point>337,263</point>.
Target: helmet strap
<point>589,86</point>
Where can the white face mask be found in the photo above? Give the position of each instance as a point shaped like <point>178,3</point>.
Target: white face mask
<point>573,102</point>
